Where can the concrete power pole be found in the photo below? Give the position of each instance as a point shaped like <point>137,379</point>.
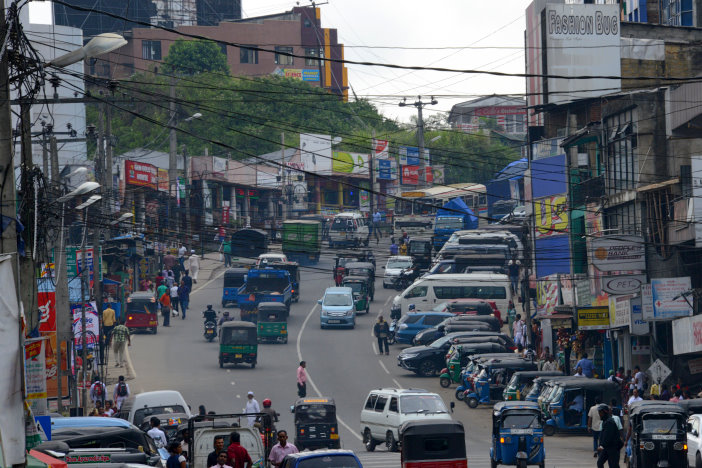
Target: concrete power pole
<point>371,173</point>
<point>420,131</point>
<point>8,241</point>
<point>172,161</point>
<point>100,171</point>
<point>27,271</point>
<point>282,176</point>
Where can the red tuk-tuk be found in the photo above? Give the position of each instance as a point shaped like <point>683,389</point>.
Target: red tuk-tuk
<point>142,312</point>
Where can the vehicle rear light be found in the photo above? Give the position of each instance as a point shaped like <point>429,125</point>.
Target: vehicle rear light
<point>333,429</point>
<point>302,431</point>
<point>130,318</point>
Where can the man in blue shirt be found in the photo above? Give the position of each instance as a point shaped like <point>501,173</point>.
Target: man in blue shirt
<point>586,365</point>
<point>393,247</point>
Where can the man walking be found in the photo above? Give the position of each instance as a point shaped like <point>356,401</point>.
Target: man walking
<point>193,265</point>
<point>165,301</point>
<point>610,441</point>
<point>183,297</point>
<point>381,330</point>
<point>594,425</point>
<point>302,380</point>
<point>181,256</point>
<point>227,251</point>
<point>158,436</point>
<point>252,407</point>
<point>587,366</point>
<point>120,340</point>
<point>174,297</point>
<point>121,392</point>
<point>237,455</point>
<point>281,449</point>
<point>97,392</point>
<point>513,271</point>
<point>108,321</point>
<point>376,225</point>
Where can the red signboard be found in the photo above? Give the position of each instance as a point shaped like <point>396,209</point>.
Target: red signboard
<point>225,215</point>
<point>428,175</point>
<point>498,110</point>
<point>142,174</point>
<point>163,180</point>
<point>410,175</point>
<point>380,148</point>
<point>46,301</point>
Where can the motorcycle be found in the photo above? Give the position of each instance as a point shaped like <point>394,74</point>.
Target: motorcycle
<point>406,277</point>
<point>393,329</point>
<point>210,324</point>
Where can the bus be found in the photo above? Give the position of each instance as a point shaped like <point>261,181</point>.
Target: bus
<point>426,202</point>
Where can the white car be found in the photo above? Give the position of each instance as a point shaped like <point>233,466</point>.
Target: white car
<point>694,441</point>
<point>271,258</point>
<point>394,267</point>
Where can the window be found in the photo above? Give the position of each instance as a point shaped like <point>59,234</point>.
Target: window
<point>433,320</point>
<point>370,403</point>
<point>283,59</point>
<point>622,219</point>
<point>393,405</point>
<point>417,291</point>
<point>248,55</point>
<point>380,403</point>
<point>313,52</point>
<point>622,163</point>
<point>151,50</point>
<point>470,292</point>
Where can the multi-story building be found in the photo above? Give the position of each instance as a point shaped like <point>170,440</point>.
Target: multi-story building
<point>264,41</point>
<point>507,114</point>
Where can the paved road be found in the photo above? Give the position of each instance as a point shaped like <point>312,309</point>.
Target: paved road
<point>342,364</point>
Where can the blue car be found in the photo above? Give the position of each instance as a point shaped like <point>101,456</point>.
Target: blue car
<point>412,323</point>
<point>331,458</point>
<point>338,309</point>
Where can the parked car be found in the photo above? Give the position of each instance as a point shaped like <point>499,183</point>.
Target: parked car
<point>338,308</point>
<point>141,406</point>
<point>411,324</point>
<point>386,409</point>
<point>394,267</point>
<point>694,440</point>
<point>429,360</point>
<point>321,458</point>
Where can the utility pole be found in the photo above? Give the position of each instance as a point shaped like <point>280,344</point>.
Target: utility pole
<point>27,272</point>
<point>526,293</point>
<point>84,335</point>
<point>188,232</point>
<point>97,285</point>
<point>8,241</point>
<point>172,149</point>
<point>371,172</point>
<point>53,150</point>
<point>108,159</point>
<point>282,176</point>
<point>420,131</point>
<point>44,153</point>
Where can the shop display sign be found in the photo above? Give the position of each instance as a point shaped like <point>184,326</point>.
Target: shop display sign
<point>668,298</point>
<point>145,175</point>
<point>620,311</point>
<point>618,253</point>
<point>593,318</point>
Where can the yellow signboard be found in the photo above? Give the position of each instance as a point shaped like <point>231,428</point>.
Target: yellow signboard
<point>593,318</point>
<point>551,215</point>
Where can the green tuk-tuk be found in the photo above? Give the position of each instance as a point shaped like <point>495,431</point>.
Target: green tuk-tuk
<point>272,322</point>
<point>359,286</point>
<point>365,269</point>
<point>238,342</point>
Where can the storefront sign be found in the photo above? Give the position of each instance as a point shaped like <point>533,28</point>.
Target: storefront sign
<point>638,325</point>
<point>621,285</point>
<point>162,180</point>
<point>438,171</point>
<point>551,216</point>
<point>381,148</point>
<point>316,153</point>
<point>695,365</point>
<point>35,375</point>
<point>668,299</point>
<point>91,325</point>
<point>593,318</point>
<point>619,311</point>
<point>349,163</point>
<point>409,155</point>
<point>687,335</point>
<point>582,288</point>
<point>617,253</point>
<point>145,175</point>
<point>387,169</point>
<point>410,175</point>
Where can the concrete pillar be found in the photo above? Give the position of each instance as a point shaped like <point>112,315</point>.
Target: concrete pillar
<point>341,196</point>
<point>318,192</point>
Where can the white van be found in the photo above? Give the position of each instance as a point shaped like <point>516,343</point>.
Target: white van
<point>138,408</point>
<point>386,409</point>
<point>427,292</point>
<point>348,228</point>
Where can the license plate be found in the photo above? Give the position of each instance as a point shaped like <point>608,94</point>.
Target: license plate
<point>334,321</point>
<point>521,431</point>
<point>663,436</point>
<point>334,436</point>
<point>237,355</point>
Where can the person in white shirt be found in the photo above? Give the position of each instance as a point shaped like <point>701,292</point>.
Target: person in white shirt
<point>221,460</point>
<point>181,256</point>
<point>252,407</point>
<point>634,397</point>
<point>174,298</point>
<point>639,379</point>
<point>158,436</point>
<point>194,265</point>
<point>550,364</point>
<point>121,392</point>
<point>594,424</point>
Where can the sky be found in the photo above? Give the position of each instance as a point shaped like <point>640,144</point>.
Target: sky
<point>459,34</point>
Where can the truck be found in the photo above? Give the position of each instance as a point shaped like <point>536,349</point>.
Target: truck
<point>265,285</point>
<point>453,216</point>
<point>302,240</point>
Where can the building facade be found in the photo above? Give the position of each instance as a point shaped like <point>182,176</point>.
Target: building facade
<point>504,114</point>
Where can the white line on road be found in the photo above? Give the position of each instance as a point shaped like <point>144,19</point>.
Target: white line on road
<point>397,383</point>
<point>375,348</point>
<point>388,300</point>
<point>383,366</point>
<point>309,378</point>
<point>208,283</point>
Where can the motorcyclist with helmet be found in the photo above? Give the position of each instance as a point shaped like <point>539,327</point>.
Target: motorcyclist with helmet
<point>270,416</point>
<point>210,316</point>
<point>224,318</point>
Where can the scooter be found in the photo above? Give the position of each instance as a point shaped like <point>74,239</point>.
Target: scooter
<point>406,277</point>
<point>210,323</point>
<point>393,329</point>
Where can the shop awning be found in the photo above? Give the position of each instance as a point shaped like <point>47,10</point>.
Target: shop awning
<point>37,459</point>
<point>658,186</point>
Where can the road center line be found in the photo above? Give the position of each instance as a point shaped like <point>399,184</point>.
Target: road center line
<point>309,377</point>
<point>388,300</point>
<point>383,366</point>
<point>397,383</point>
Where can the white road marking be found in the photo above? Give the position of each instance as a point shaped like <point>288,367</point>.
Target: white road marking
<point>388,300</point>
<point>233,383</point>
<point>238,396</point>
<point>208,283</point>
<point>375,348</point>
<point>383,366</point>
<point>309,378</point>
<point>397,383</point>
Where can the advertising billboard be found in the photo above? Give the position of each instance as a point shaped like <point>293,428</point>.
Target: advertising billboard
<point>620,311</point>
<point>409,155</point>
<point>142,174</point>
<point>410,175</point>
<point>387,169</point>
<point>668,299</point>
<point>593,318</point>
<point>381,149</point>
<point>316,153</point>
<point>581,40</point>
<point>349,163</point>
<point>617,253</point>
<point>162,180</point>
<point>551,216</point>
<point>687,335</point>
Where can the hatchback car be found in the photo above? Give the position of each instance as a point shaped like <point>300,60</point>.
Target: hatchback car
<point>394,267</point>
<point>694,440</point>
<point>411,324</point>
<point>338,308</point>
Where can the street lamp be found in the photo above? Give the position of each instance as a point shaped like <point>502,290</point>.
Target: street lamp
<point>82,189</point>
<point>124,217</point>
<point>101,44</point>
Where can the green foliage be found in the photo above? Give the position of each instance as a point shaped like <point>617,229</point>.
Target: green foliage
<point>187,58</point>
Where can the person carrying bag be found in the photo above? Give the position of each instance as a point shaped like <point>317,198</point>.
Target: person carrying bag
<point>165,301</point>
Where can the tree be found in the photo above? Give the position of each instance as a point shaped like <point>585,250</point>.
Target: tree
<point>192,57</point>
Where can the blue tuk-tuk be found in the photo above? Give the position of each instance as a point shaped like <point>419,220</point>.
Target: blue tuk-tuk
<point>471,368</point>
<point>570,399</point>
<point>492,379</point>
<point>517,435</point>
<point>234,278</point>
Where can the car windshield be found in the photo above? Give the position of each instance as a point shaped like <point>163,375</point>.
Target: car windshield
<point>659,424</point>
<point>440,342</point>
<point>421,404</point>
<point>535,390</point>
<point>449,223</point>
<point>341,224</point>
<point>337,300</point>
<point>358,271</point>
<point>399,264</point>
<point>141,307</point>
<point>327,461</point>
<point>143,413</point>
<point>513,381</point>
<point>520,421</point>
<point>315,413</point>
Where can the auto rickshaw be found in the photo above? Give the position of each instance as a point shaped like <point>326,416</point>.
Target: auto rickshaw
<point>234,278</point>
<point>365,269</point>
<point>493,378</point>
<point>692,406</point>
<point>427,444</point>
<point>359,286</point>
<point>141,313</point>
<point>471,369</point>
<point>658,434</point>
<point>294,269</point>
<point>238,342</point>
<point>420,250</point>
<point>340,264</point>
<point>315,424</point>
<point>457,358</point>
<point>515,389</point>
<point>570,400</point>
<point>517,435</point>
<point>272,322</point>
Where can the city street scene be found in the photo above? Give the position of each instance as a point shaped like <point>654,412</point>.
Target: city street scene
<point>347,234</point>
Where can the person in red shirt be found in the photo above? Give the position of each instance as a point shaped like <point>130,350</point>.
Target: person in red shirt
<point>237,455</point>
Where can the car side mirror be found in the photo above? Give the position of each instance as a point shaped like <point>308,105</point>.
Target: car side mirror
<point>319,301</point>
<point>383,267</point>
<point>292,408</point>
<point>452,405</point>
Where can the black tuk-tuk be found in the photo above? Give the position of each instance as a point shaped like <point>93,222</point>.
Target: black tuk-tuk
<point>692,406</point>
<point>315,423</point>
<point>238,343</point>
<point>658,434</point>
<point>249,243</point>
<point>234,278</point>
<point>294,269</point>
<point>427,444</point>
<point>420,250</point>
<point>359,286</point>
<point>365,269</point>
<point>272,322</point>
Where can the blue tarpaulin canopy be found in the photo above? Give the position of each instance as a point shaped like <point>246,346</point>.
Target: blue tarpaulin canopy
<point>512,171</point>
<point>458,207</point>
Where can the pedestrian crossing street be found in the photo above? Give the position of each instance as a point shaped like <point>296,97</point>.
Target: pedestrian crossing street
<point>392,460</point>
